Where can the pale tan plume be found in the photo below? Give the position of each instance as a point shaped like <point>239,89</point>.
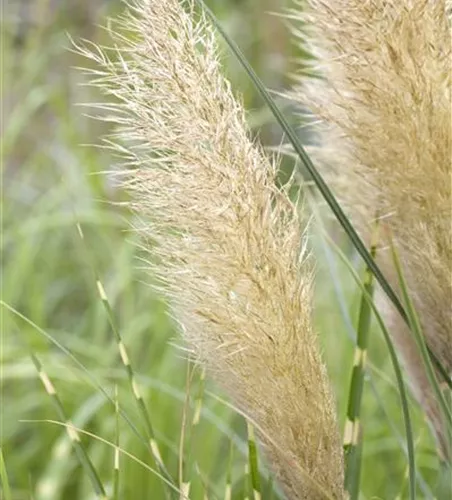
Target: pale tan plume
<point>226,244</point>
<point>384,101</point>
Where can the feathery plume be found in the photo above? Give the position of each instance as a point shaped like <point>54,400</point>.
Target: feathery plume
<point>226,244</point>
<point>385,105</point>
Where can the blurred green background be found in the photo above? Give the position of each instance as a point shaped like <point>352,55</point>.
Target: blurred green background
<point>52,178</point>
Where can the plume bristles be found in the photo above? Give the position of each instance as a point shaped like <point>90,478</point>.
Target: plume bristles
<point>226,244</point>
<point>386,138</point>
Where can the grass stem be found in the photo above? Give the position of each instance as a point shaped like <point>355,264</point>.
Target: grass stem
<point>353,431</point>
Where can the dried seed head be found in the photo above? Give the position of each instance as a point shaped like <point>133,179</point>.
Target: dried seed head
<point>226,244</point>
<point>385,106</point>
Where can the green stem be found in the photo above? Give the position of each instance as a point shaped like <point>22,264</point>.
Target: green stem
<point>397,370</point>
<point>253,463</point>
<point>125,359</point>
<point>353,431</point>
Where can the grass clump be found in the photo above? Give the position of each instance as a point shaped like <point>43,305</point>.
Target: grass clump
<point>222,243</point>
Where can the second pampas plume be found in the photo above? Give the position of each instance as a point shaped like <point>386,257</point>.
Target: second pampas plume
<point>384,103</point>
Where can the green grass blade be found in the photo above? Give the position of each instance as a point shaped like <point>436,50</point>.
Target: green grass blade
<point>228,487</point>
<point>420,340</point>
<point>6,490</point>
<point>79,364</point>
<point>206,484</point>
<point>199,399</point>
<point>318,179</point>
<point>116,451</point>
<point>50,484</point>
<point>353,431</point>
<point>396,366</point>
<point>246,483</point>
<point>125,359</point>
<point>353,466</point>
<point>192,434</point>
<point>253,463</point>
<point>73,434</point>
<point>100,439</point>
<point>185,455</point>
<point>270,489</point>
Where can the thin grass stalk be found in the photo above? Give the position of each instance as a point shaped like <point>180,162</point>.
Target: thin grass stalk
<point>353,430</point>
<point>247,489</point>
<point>199,399</point>
<point>354,463</point>
<point>6,489</point>
<point>320,183</point>
<point>253,463</point>
<point>78,363</point>
<point>190,425</point>
<point>207,487</point>
<point>228,486</point>
<point>406,478</point>
<point>116,452</point>
<point>73,434</point>
<point>195,422</point>
<point>111,445</point>
<point>396,366</point>
<point>270,488</point>
<point>420,340</point>
<point>184,463</point>
<point>125,359</point>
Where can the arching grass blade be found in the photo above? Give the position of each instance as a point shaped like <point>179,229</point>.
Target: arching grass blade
<point>126,362</point>
<point>73,434</point>
<point>420,340</point>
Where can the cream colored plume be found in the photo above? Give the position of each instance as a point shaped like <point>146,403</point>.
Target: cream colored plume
<point>385,136</point>
<point>226,244</point>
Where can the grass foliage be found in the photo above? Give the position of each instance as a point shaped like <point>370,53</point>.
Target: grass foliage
<point>98,396</point>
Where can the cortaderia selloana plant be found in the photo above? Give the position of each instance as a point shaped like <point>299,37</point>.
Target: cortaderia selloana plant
<point>227,246</point>
<point>381,101</point>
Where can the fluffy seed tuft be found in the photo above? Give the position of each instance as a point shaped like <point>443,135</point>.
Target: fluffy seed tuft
<point>226,244</point>
<point>385,104</point>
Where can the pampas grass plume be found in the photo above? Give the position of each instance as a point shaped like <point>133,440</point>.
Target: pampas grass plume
<point>225,243</point>
<point>385,104</point>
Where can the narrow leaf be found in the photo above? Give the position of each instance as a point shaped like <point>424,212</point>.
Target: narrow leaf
<point>253,464</point>
<point>73,434</point>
